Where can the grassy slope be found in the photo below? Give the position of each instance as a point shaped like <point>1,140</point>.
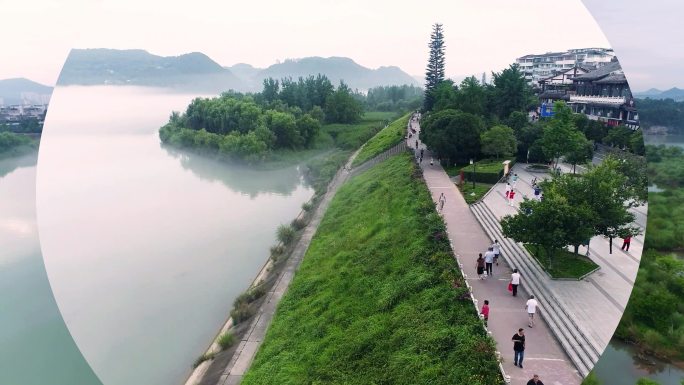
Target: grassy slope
<point>372,302</point>
<point>383,140</point>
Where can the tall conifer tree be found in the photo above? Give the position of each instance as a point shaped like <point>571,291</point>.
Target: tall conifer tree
<point>434,73</point>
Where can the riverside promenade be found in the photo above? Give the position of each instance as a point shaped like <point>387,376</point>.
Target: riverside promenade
<point>597,302</point>
<point>544,355</point>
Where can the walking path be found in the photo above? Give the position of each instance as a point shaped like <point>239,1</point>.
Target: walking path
<point>598,301</point>
<point>249,345</point>
<point>543,354</point>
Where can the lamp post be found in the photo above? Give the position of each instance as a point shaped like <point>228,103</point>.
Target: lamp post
<point>473,163</point>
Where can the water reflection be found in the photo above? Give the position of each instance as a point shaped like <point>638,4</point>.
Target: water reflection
<point>7,165</point>
<point>241,179</point>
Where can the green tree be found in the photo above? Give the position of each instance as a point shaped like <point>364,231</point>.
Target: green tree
<point>284,126</point>
<point>270,90</point>
<point>560,135</point>
<point>499,141</point>
<point>308,128</point>
<point>471,97</point>
<point>551,224</point>
<point>579,151</point>
<point>453,135</point>
<point>444,95</point>
<point>636,142</point>
<point>511,91</point>
<point>434,73</point>
<point>517,120</point>
<point>618,136</point>
<point>342,107</point>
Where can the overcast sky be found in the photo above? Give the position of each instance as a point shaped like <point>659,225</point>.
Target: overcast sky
<point>480,36</point>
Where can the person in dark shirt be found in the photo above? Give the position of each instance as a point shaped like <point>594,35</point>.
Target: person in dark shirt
<point>519,347</point>
<point>535,381</point>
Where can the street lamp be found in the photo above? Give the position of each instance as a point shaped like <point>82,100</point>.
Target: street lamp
<point>473,163</point>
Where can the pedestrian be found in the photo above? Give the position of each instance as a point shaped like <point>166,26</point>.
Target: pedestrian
<point>515,281</point>
<point>432,161</point>
<point>535,380</point>
<point>625,242</point>
<point>531,307</point>
<point>421,152</point>
<point>441,205</point>
<point>508,189</point>
<point>480,267</point>
<point>421,159</point>
<point>511,196</point>
<point>489,261</point>
<point>518,347</point>
<point>534,181</point>
<point>496,247</point>
<point>485,311</point>
<point>537,193</point>
<point>416,143</point>
<point>515,179</point>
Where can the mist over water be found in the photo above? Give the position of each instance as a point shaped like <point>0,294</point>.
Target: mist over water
<point>36,346</point>
<point>146,247</point>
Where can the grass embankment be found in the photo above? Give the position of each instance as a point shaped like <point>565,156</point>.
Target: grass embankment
<point>383,140</point>
<point>373,300</point>
<point>331,139</point>
<point>565,264</point>
<point>480,190</point>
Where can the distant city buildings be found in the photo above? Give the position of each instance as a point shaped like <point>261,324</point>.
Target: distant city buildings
<point>16,115</point>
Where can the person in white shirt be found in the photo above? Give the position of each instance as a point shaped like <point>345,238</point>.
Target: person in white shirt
<point>515,281</point>
<point>496,247</point>
<point>489,261</point>
<point>531,307</point>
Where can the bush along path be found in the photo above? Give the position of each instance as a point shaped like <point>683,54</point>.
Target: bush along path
<point>379,297</point>
<point>544,355</point>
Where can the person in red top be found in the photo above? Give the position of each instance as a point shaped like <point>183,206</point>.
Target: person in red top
<point>625,242</point>
<point>485,311</point>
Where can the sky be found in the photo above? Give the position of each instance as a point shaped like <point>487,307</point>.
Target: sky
<point>647,37</point>
<point>480,36</point>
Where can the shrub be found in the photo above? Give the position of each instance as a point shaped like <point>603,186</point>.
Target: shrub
<point>285,234</point>
<point>298,223</point>
<point>307,206</point>
<point>226,340</point>
<point>202,358</point>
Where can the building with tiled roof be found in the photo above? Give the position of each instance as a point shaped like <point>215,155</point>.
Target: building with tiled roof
<point>540,66</point>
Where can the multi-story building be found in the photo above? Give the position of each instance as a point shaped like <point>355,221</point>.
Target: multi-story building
<point>540,66</point>
<point>602,94</point>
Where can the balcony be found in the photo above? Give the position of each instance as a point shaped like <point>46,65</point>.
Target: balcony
<point>608,100</point>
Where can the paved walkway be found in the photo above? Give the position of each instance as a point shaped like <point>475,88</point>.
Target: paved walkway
<point>543,354</point>
<point>607,289</point>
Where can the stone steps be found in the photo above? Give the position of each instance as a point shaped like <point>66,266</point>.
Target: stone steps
<point>581,348</point>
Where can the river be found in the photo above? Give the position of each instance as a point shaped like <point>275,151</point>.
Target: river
<point>36,346</point>
<point>146,247</point>
<point>618,364</point>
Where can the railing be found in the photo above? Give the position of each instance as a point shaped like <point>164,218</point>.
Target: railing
<point>613,100</point>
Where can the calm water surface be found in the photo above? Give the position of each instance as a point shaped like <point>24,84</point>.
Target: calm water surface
<point>35,345</point>
<point>147,247</point>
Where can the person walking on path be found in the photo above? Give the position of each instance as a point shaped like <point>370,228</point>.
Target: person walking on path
<point>515,281</point>
<point>518,347</point>
<point>514,179</point>
<point>531,307</point>
<point>511,196</point>
<point>489,261</point>
<point>432,161</point>
<point>496,247</point>
<point>537,193</point>
<point>535,380</point>
<point>480,267</point>
<point>625,242</point>
<point>485,312</point>
<point>508,190</point>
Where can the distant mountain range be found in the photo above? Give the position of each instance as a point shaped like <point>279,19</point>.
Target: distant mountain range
<point>197,72</point>
<point>654,93</point>
<point>23,91</point>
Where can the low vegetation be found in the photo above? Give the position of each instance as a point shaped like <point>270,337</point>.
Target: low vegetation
<point>479,191</point>
<point>378,298</point>
<point>383,140</point>
<point>566,264</point>
<point>12,144</point>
